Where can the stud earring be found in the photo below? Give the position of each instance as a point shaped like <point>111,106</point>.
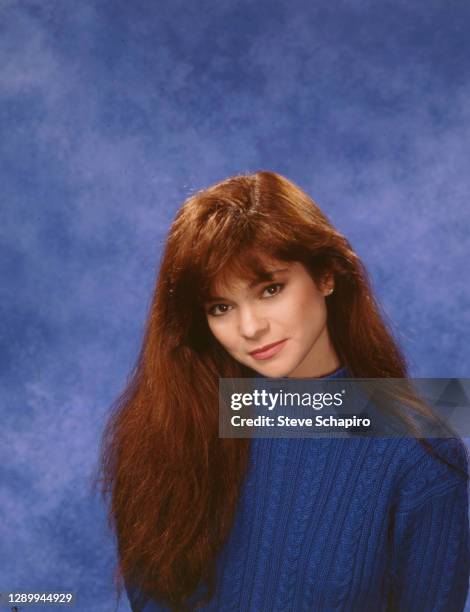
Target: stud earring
<point>330,292</point>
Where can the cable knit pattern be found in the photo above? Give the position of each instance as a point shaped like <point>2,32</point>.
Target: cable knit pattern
<point>346,524</point>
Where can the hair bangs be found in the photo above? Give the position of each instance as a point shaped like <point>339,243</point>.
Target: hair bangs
<point>250,265</point>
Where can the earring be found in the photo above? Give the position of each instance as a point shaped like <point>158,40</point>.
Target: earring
<point>330,292</point>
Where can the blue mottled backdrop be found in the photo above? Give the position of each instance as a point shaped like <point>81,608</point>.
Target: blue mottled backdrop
<point>112,112</point>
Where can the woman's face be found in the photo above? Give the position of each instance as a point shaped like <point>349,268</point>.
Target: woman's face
<point>289,311</point>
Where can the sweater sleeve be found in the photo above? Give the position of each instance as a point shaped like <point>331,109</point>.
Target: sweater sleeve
<point>430,539</point>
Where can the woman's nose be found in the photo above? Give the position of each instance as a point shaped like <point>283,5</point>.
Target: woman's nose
<point>251,323</point>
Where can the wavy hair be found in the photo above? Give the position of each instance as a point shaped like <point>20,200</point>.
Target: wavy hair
<point>173,484</point>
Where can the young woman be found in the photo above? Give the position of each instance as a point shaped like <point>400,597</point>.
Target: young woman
<point>255,281</point>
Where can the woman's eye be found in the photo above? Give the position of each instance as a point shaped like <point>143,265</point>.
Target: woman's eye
<point>224,308</point>
<point>277,287</point>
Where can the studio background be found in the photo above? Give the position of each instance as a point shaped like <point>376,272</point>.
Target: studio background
<point>114,112</point>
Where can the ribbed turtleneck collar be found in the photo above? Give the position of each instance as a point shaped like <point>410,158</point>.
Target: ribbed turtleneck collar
<point>341,372</point>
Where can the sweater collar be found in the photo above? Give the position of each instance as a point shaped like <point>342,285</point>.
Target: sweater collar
<point>341,372</point>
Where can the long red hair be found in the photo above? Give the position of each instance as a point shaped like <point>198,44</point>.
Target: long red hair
<point>173,483</point>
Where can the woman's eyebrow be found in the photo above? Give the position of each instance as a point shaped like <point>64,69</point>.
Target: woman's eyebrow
<point>267,276</point>
<point>262,278</point>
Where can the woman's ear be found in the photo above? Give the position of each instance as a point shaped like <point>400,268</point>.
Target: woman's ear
<point>327,285</point>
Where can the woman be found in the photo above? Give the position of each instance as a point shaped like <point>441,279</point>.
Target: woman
<point>272,524</point>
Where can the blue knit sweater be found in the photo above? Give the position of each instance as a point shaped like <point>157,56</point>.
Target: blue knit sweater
<point>347,524</point>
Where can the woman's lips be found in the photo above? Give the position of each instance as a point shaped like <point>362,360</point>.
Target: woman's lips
<point>270,351</point>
